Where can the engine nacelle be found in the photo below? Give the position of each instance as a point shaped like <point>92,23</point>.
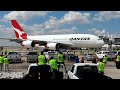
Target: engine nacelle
<point>29,43</point>
<point>33,44</point>
<point>26,43</point>
<point>52,46</point>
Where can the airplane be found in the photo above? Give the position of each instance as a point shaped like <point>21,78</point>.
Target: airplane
<point>54,42</point>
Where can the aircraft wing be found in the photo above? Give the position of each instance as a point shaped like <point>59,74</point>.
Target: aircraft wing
<point>41,42</point>
<point>64,44</point>
<point>13,39</point>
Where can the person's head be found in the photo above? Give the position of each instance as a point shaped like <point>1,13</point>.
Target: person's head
<point>41,52</point>
<point>75,56</point>
<point>105,55</point>
<point>82,58</point>
<point>51,57</point>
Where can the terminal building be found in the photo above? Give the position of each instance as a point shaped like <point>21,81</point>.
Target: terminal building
<point>113,43</point>
<point>117,41</point>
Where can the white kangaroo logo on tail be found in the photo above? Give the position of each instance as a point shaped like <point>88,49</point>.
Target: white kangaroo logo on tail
<point>19,32</point>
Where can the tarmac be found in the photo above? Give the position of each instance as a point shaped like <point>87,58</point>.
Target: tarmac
<point>17,70</point>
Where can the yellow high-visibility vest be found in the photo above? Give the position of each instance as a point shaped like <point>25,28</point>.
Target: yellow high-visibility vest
<point>118,58</point>
<point>41,60</point>
<point>60,58</point>
<point>53,64</point>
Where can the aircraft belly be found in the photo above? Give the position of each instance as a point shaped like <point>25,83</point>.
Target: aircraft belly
<point>84,44</point>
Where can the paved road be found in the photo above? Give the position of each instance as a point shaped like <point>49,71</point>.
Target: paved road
<point>110,69</point>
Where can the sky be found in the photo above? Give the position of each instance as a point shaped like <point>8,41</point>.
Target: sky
<point>60,22</point>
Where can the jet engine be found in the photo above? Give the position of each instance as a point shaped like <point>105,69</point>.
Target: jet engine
<point>52,46</point>
<point>26,43</point>
<point>33,43</point>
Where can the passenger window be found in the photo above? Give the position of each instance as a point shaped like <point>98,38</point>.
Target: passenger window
<point>72,68</point>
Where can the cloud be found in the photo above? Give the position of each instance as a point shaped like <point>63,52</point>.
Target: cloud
<point>52,23</point>
<point>24,15</point>
<point>76,17</point>
<point>103,33</point>
<point>6,33</point>
<point>8,43</point>
<point>52,26</point>
<point>97,31</point>
<point>37,29</point>
<point>65,31</point>
<point>106,15</point>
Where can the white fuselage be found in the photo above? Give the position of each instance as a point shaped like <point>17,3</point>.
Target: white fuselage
<point>75,40</point>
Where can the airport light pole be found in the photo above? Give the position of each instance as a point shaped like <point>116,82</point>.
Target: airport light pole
<point>110,44</point>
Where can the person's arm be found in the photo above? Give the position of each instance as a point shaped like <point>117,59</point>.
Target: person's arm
<point>64,56</point>
<point>115,58</point>
<point>45,59</point>
<point>37,60</point>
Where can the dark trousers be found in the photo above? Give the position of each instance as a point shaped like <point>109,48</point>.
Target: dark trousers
<point>118,65</point>
<point>60,64</point>
<point>1,66</point>
<point>44,71</point>
<point>55,72</point>
<point>94,61</point>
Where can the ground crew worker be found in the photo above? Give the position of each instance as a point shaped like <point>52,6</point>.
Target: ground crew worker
<point>54,66</point>
<point>1,62</point>
<point>76,59</point>
<point>105,58</point>
<point>118,61</point>
<point>95,59</point>
<point>47,56</point>
<point>6,63</point>
<point>115,58</point>
<point>60,60</point>
<point>82,60</point>
<point>42,66</point>
<point>101,66</point>
<point>41,59</point>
